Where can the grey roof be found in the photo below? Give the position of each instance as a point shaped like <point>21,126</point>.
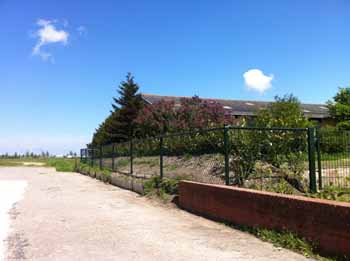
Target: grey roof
<point>245,107</point>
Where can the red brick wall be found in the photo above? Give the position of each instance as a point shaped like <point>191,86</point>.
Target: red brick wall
<point>323,221</point>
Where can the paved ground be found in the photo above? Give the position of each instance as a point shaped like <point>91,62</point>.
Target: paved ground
<point>66,216</point>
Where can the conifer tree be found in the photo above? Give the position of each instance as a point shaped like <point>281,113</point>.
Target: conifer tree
<point>120,125</point>
<point>125,110</point>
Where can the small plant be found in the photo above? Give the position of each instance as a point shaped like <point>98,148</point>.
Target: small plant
<point>187,156</point>
<point>162,188</point>
<point>106,175</point>
<point>172,167</point>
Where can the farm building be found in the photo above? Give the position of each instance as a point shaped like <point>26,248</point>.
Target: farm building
<point>248,109</point>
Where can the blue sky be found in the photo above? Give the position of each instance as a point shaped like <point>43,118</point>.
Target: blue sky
<point>57,85</point>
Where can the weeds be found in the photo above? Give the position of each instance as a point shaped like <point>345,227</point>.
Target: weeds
<point>333,193</point>
<point>164,189</point>
<point>283,239</point>
<point>123,163</point>
<point>172,167</point>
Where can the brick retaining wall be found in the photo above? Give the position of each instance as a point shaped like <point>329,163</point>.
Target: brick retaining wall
<point>323,221</point>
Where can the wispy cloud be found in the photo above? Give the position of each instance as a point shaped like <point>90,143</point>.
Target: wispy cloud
<point>48,34</point>
<point>65,23</point>
<point>256,80</point>
<point>82,30</point>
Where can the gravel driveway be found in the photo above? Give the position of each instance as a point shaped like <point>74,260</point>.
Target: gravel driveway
<point>67,216</point>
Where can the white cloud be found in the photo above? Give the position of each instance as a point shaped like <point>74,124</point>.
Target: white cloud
<point>82,30</point>
<point>256,80</point>
<point>48,34</point>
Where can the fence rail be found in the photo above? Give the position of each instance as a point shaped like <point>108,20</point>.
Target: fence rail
<point>263,158</point>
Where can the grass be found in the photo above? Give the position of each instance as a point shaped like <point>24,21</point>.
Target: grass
<point>147,161</point>
<point>61,164</point>
<point>9,163</point>
<point>335,156</point>
<point>172,167</point>
<point>286,240</point>
<point>333,193</point>
<point>123,163</point>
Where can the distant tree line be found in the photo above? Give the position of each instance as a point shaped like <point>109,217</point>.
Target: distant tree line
<point>28,154</point>
<point>43,154</point>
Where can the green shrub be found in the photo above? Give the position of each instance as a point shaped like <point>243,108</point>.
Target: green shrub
<point>84,168</point>
<point>106,176</point>
<point>163,187</point>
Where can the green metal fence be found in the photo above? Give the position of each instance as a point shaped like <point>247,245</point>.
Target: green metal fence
<point>277,159</point>
<point>333,148</point>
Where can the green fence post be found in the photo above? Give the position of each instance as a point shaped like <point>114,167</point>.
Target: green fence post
<point>226,152</point>
<point>75,163</point>
<point>113,155</point>
<point>311,152</point>
<point>161,157</point>
<point>100,157</point>
<point>319,163</point>
<point>131,157</point>
<point>81,155</point>
<point>92,157</point>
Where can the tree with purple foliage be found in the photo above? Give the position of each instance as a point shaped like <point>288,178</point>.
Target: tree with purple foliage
<point>191,114</point>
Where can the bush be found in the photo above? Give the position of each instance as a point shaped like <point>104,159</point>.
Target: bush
<point>276,147</point>
<point>106,176</point>
<point>162,188</point>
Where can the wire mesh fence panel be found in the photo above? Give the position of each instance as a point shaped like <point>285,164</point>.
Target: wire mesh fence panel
<point>272,159</point>
<point>107,156</point>
<point>95,157</point>
<point>269,159</point>
<point>89,156</point>
<point>195,156</point>
<point>335,157</point>
<point>84,156</point>
<point>123,158</point>
<point>146,162</point>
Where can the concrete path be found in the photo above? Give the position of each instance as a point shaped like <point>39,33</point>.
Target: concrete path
<point>67,216</point>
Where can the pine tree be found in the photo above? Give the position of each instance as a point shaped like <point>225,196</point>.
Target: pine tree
<point>102,135</point>
<point>120,125</point>
<point>125,110</point>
